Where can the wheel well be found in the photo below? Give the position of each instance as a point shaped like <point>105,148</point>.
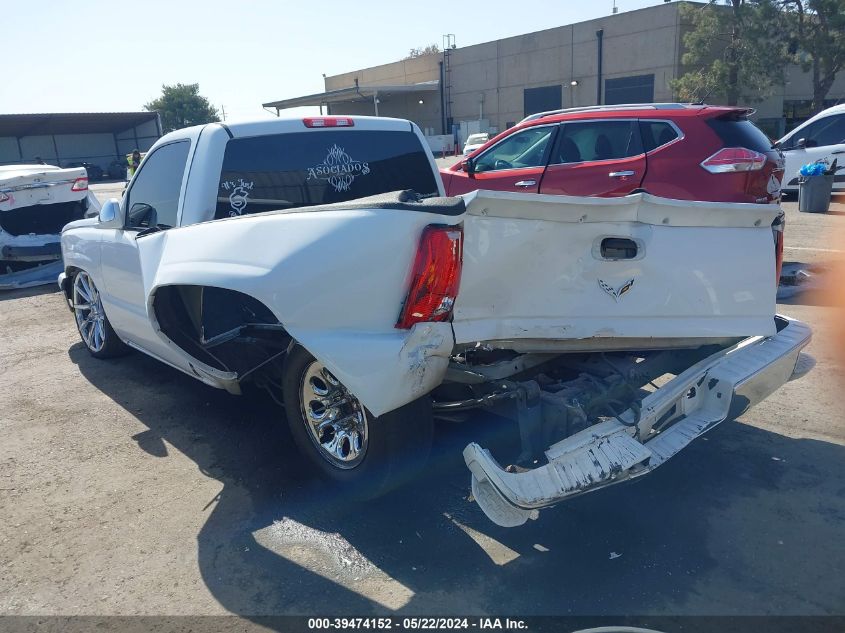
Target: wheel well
<point>67,284</point>
<point>225,329</point>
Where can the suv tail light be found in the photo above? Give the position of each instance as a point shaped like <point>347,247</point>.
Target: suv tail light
<point>732,159</point>
<point>435,277</point>
<point>328,121</point>
<point>80,184</point>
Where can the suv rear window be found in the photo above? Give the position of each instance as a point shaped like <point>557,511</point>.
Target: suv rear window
<point>285,171</point>
<point>740,133</point>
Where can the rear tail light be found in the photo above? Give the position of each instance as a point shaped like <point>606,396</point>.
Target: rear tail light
<point>435,277</point>
<point>80,184</point>
<point>733,159</point>
<point>328,121</point>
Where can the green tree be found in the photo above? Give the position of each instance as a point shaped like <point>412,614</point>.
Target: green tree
<point>818,32</point>
<point>181,106</point>
<point>736,52</point>
<point>431,49</point>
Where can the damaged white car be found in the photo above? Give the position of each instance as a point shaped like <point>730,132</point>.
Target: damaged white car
<point>36,201</point>
<point>613,331</point>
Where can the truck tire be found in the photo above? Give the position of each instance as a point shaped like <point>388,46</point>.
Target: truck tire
<point>93,325</point>
<point>342,441</point>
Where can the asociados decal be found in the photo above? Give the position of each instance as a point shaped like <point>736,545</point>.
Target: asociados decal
<point>338,169</point>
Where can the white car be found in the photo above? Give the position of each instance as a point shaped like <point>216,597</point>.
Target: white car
<point>248,253</point>
<point>36,201</point>
<point>821,137</point>
<point>474,141</point>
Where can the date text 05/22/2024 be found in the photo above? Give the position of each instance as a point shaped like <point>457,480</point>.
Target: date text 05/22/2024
<point>422,623</point>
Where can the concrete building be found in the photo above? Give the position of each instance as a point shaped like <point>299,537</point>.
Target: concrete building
<point>628,57</point>
<point>59,139</point>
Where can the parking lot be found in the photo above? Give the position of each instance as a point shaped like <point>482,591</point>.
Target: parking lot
<point>130,488</point>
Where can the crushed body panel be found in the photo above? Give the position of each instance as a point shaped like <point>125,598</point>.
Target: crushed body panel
<point>718,388</point>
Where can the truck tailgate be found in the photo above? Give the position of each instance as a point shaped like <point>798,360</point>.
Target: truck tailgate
<point>637,272</point>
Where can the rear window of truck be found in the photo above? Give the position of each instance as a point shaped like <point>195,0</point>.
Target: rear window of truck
<point>285,171</point>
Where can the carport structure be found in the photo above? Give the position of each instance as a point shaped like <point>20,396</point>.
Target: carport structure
<point>63,138</point>
<point>361,99</point>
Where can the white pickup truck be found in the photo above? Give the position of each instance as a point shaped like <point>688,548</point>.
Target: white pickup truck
<point>317,258</point>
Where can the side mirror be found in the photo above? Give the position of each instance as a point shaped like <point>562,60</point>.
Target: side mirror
<point>111,215</point>
<point>468,166</point>
<point>801,143</point>
<point>142,215</point>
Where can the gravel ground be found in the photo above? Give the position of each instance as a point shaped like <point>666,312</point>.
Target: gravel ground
<point>129,488</point>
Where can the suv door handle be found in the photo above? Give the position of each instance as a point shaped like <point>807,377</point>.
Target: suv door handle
<point>620,174</point>
<point>525,183</point>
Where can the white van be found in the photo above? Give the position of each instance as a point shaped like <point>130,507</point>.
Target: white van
<point>822,136</point>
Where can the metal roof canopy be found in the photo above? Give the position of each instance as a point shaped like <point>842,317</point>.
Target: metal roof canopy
<point>20,125</point>
<point>351,94</point>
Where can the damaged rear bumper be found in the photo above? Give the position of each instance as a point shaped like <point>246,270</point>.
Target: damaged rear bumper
<point>29,277</point>
<point>28,260</point>
<point>719,388</point>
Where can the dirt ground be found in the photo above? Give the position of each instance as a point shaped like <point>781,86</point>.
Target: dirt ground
<point>129,488</point>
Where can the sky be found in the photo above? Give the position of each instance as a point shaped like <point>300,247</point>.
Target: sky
<point>114,55</point>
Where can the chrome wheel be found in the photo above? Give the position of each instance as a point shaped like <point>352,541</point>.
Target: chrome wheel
<point>336,421</point>
<point>88,310</point>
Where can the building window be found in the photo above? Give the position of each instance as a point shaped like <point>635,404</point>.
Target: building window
<point>638,89</point>
<point>542,99</point>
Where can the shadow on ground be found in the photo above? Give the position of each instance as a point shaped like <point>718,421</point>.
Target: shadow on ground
<point>811,284</point>
<point>745,521</point>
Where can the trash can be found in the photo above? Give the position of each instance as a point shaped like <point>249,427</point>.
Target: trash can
<point>814,193</point>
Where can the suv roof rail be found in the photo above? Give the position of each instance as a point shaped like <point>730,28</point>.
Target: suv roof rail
<point>617,106</point>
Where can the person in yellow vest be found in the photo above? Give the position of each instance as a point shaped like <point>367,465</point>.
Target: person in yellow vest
<point>134,159</point>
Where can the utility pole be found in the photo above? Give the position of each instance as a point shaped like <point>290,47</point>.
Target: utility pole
<point>223,110</point>
<point>446,82</point>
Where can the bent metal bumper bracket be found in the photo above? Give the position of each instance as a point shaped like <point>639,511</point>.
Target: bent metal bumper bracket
<point>718,388</point>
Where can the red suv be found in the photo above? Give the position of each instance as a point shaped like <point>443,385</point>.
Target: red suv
<point>688,152</point>
<point>672,150</point>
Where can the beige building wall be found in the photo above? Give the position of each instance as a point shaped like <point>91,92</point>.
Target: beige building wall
<point>406,71</point>
<point>491,77</point>
<point>487,81</point>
